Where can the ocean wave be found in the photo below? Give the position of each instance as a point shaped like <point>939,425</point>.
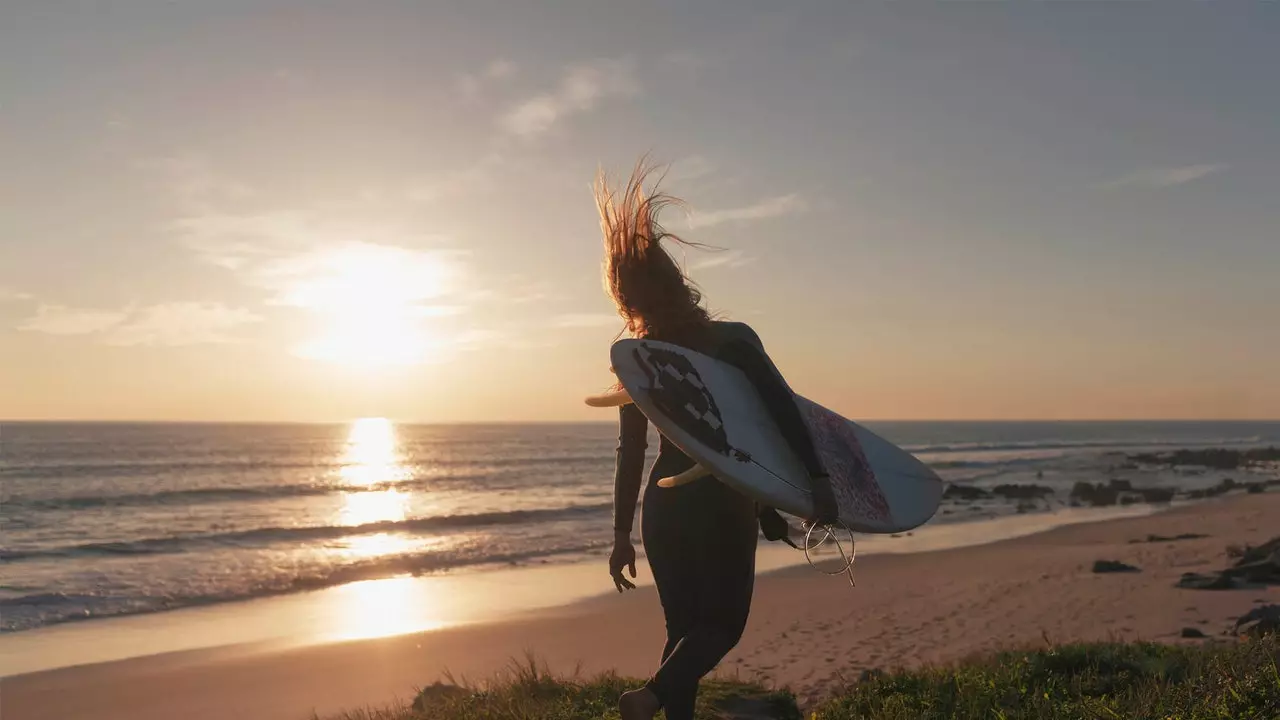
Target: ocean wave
<point>44,608</point>
<point>248,493</point>
<point>102,470</point>
<point>277,535</point>
<point>1075,445</point>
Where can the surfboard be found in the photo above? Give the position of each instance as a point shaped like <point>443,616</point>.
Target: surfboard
<point>711,411</point>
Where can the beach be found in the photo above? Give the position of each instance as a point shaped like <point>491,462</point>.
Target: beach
<point>808,631</point>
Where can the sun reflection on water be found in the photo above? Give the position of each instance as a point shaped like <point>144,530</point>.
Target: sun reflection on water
<point>372,459</point>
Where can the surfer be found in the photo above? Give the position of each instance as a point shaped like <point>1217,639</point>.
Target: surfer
<point>700,537</point>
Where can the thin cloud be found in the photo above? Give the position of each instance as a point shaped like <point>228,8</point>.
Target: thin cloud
<point>767,208</point>
<point>690,168</point>
<point>581,89</point>
<point>725,259</point>
<point>498,70</point>
<point>1166,177</point>
<point>63,320</point>
<point>10,294</point>
<point>195,184</point>
<point>165,324</point>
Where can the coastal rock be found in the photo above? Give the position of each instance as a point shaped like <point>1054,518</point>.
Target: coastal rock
<point>1254,566</point>
<point>1095,495</point>
<point>1190,632</point>
<point>1113,566</point>
<point>964,492</point>
<point>1264,620</point>
<point>1219,489</point>
<point>1156,494</point>
<point>430,694</point>
<point>1209,581</point>
<point>1216,458</point>
<point>1170,538</point>
<point>1021,492</point>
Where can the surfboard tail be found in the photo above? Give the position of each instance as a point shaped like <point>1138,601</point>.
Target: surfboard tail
<point>610,399</point>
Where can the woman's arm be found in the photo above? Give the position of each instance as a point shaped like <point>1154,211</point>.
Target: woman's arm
<point>751,359</point>
<point>633,429</point>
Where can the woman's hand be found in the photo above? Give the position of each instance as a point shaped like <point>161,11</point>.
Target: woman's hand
<point>623,556</point>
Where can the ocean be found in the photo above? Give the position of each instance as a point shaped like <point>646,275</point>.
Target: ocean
<point>103,519</point>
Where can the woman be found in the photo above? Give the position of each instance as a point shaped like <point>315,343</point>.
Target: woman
<point>700,538</point>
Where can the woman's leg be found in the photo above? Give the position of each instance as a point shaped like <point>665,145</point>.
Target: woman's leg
<point>666,537</point>
<point>712,594</point>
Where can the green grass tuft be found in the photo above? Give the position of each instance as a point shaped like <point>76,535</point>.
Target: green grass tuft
<point>1229,681</point>
<point>1218,681</point>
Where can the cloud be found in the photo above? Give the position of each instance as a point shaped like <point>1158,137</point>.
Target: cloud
<point>166,324</point>
<point>305,260</point>
<point>1166,177</point>
<point>585,320</point>
<point>63,320</point>
<point>194,183</point>
<point>767,208</point>
<point>725,259</point>
<point>182,323</point>
<point>500,69</point>
<point>690,168</point>
<point>581,89</point>
<point>472,84</point>
<point>9,294</point>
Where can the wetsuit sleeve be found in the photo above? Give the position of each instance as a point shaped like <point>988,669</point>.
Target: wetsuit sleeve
<point>778,398</point>
<point>633,431</point>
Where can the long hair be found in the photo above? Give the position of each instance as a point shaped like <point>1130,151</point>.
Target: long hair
<point>652,294</point>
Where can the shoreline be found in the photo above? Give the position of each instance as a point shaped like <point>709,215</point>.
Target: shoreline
<point>909,608</point>
<point>436,602</point>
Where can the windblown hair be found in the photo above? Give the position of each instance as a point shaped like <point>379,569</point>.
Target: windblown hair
<point>652,294</point>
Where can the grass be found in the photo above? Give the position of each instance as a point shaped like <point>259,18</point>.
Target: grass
<point>1222,681</point>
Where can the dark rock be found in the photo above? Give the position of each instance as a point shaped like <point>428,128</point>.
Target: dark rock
<point>964,492</point>
<point>1190,632</point>
<point>1156,495</point>
<point>1219,489</point>
<point>1259,621</point>
<point>1256,488</point>
<point>1021,492</point>
<point>1128,499</point>
<point>1211,581</point>
<point>1171,538</point>
<point>1267,551</point>
<point>1025,507</point>
<point>1113,566</point>
<point>434,692</point>
<point>1095,495</point>
<point>1217,458</point>
<point>1254,565</point>
<point>1120,485</point>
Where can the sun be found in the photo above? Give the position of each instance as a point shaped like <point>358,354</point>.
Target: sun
<point>372,303</point>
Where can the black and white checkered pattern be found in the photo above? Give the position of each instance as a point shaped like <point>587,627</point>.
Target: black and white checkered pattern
<point>678,389</point>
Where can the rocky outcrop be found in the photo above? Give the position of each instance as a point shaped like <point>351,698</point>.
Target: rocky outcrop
<point>1113,566</point>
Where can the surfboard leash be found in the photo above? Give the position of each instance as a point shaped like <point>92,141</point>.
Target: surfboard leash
<point>829,533</point>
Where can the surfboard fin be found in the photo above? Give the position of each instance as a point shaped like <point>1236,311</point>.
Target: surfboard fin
<point>617,398</point>
<point>694,473</point>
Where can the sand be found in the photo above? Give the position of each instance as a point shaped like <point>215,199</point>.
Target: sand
<point>807,631</point>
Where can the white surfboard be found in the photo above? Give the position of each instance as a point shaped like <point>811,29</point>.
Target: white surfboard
<point>720,421</point>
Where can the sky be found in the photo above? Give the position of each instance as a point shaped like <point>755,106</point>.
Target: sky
<point>314,211</point>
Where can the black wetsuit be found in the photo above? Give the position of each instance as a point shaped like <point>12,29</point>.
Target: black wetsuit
<point>700,538</point>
